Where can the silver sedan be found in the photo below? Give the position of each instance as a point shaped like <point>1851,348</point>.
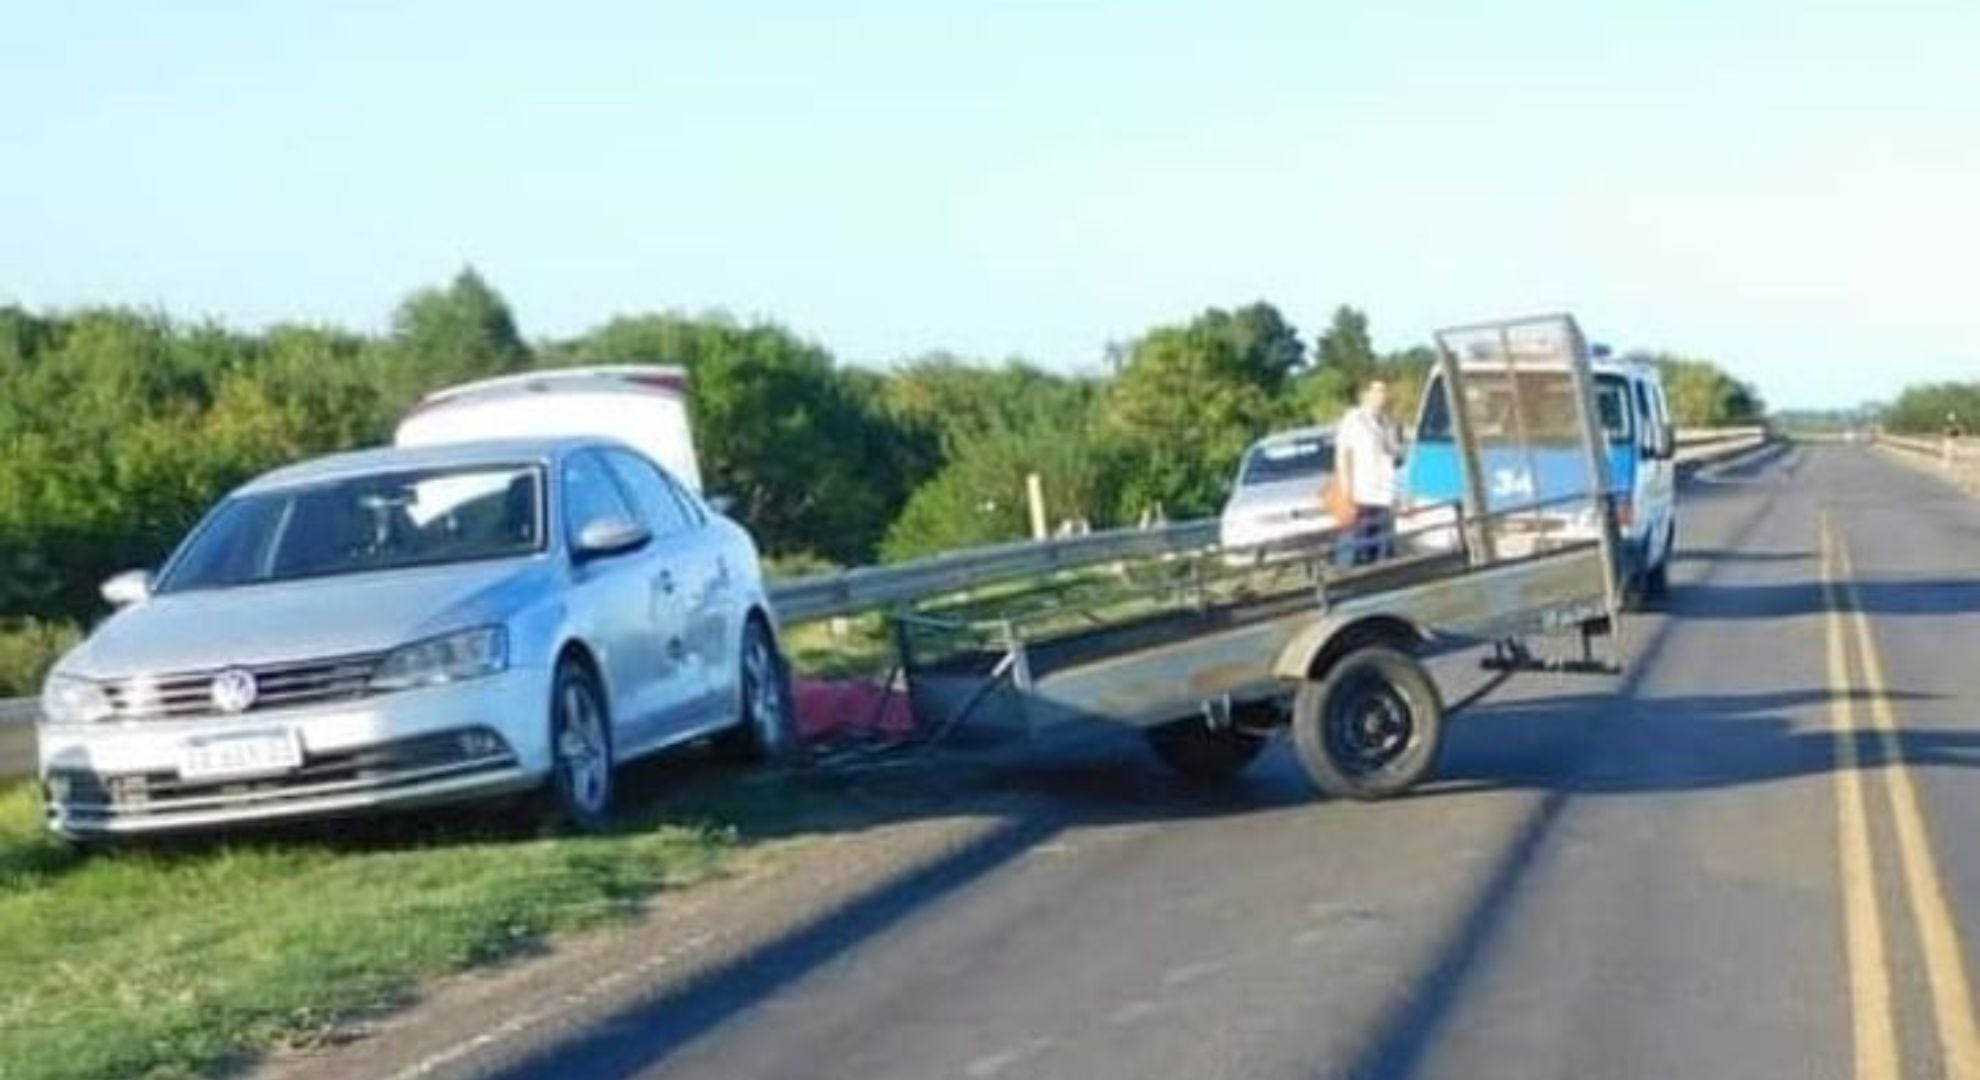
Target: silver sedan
<point>409,626</point>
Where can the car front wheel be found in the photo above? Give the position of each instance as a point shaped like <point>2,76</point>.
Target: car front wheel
<point>580,748</point>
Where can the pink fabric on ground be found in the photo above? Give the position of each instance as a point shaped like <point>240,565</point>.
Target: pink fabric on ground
<point>837,708</point>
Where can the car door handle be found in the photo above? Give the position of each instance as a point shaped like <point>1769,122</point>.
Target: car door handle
<point>665,580</point>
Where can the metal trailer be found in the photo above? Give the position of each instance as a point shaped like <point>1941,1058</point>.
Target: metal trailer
<point>1216,651</point>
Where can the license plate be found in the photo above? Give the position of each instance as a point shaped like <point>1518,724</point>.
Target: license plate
<point>249,753</point>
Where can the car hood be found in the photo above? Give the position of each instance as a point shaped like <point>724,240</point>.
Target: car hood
<point>200,630</point>
<point>1300,492</point>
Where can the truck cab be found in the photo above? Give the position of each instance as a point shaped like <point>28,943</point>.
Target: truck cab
<point>1528,470</point>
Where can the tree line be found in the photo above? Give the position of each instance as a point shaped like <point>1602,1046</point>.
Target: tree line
<point>1930,408</point>
<point>118,428</point>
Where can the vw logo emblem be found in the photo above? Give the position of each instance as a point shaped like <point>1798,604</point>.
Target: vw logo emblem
<point>234,691</point>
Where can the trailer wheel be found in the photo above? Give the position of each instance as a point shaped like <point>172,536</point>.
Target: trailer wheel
<point>1199,752</point>
<point>1371,727</point>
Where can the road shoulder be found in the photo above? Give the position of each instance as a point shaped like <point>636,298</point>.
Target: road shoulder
<point>472,1023</point>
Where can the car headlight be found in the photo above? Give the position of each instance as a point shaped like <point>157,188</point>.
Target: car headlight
<point>66,699</point>
<point>449,658</point>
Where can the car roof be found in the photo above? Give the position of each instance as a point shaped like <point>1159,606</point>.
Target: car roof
<point>1636,368</point>
<point>394,458</point>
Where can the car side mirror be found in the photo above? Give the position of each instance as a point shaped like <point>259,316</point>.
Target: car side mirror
<point>721,504</point>
<point>127,588</point>
<point>607,536</point>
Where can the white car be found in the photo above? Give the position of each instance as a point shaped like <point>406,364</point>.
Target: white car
<point>1276,497</point>
<point>415,625</point>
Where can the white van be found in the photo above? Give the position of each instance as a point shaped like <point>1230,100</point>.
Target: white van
<point>1629,398</point>
<point>644,406</point>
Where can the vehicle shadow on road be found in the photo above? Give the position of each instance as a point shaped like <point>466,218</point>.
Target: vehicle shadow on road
<point>1709,480</point>
<point>1728,555</point>
<point>1874,596</point>
<point>1027,795</point>
<point>1600,745</point>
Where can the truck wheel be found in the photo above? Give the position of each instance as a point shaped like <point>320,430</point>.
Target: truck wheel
<point>1371,727</point>
<point>1202,753</point>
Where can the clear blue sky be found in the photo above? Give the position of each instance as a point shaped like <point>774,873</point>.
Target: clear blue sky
<point>1788,187</point>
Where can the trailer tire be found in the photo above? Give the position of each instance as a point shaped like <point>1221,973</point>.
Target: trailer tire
<point>1370,727</point>
<point>1203,754</point>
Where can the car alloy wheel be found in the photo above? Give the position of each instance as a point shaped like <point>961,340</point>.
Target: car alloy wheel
<point>581,747</point>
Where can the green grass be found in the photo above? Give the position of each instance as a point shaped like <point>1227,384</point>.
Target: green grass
<point>865,648</point>
<point>177,960</point>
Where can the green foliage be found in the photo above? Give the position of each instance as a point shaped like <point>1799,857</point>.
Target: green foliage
<point>1346,347</point>
<point>28,649</point>
<point>806,450</point>
<point>1345,359</point>
<point>1923,409</point>
<point>1701,394</point>
<point>441,336</point>
<point>956,402</point>
<point>119,428</point>
<point>979,497</point>
<point>1186,402</point>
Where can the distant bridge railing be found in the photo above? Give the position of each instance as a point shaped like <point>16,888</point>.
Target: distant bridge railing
<point>1959,459</point>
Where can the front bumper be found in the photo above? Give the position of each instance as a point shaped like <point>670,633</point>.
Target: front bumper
<point>413,748</point>
<point>1242,540</point>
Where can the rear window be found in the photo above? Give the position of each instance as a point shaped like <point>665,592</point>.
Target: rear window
<point>1287,459</point>
<point>1547,405</point>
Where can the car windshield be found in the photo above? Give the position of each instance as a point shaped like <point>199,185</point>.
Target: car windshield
<point>1287,459</point>
<point>377,521</point>
<point>1547,408</point>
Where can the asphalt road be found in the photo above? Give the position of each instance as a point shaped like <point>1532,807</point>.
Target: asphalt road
<point>1683,871</point>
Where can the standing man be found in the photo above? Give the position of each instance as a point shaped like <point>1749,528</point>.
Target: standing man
<point>1365,450</point>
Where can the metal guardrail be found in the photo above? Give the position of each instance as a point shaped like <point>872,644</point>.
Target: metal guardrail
<point>17,737</point>
<point>1692,438</point>
<point>1701,447</point>
<point>866,588</point>
<point>1962,449</point>
<point>1959,459</point>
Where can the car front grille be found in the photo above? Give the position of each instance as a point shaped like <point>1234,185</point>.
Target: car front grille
<point>84,796</point>
<point>278,686</point>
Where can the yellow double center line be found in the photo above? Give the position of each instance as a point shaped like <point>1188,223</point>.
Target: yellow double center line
<point>1873,1007</point>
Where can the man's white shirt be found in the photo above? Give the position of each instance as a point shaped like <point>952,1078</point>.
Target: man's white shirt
<point>1370,447</point>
